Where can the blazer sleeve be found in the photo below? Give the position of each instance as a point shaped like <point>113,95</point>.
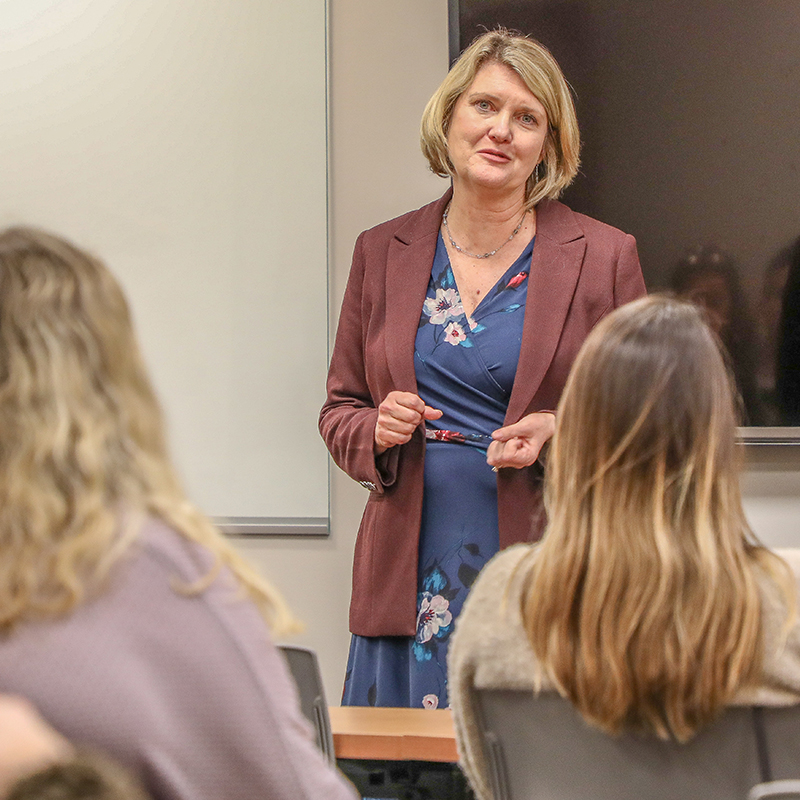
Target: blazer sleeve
<point>628,279</point>
<point>348,417</point>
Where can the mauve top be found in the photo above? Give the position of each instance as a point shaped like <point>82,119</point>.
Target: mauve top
<point>186,690</point>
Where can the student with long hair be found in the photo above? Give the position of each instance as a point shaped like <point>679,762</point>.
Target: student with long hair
<point>125,616</point>
<point>649,604</point>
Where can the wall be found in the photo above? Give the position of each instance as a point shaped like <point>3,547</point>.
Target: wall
<point>386,59</point>
<point>771,490</point>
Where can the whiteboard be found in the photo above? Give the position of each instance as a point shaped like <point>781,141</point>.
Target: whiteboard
<point>184,142</point>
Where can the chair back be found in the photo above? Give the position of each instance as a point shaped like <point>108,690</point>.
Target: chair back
<point>304,668</point>
<point>540,748</point>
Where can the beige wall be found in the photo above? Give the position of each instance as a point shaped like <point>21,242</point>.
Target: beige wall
<point>386,58</point>
<point>771,489</point>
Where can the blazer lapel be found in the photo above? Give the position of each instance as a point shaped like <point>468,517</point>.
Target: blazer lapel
<point>555,266</point>
<point>408,271</point>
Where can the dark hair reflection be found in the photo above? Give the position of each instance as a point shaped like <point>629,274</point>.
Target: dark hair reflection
<point>770,305</point>
<point>787,377</point>
<point>707,277</point>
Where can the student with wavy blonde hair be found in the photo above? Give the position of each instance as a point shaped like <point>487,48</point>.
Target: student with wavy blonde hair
<point>125,616</point>
<point>649,604</point>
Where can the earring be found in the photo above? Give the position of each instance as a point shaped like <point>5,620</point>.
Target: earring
<point>536,174</point>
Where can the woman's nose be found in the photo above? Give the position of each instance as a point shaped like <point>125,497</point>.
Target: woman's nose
<point>501,128</point>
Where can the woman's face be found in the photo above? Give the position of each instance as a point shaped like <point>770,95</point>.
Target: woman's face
<point>497,132</point>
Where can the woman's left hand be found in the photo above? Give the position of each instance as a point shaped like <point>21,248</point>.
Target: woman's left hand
<point>518,445</point>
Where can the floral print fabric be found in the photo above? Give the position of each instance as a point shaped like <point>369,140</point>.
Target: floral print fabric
<point>465,366</point>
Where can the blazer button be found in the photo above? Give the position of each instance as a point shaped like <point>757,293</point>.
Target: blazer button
<point>368,485</point>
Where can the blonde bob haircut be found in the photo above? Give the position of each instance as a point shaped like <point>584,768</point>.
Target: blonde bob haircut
<point>83,458</point>
<point>642,602</point>
<point>541,74</point>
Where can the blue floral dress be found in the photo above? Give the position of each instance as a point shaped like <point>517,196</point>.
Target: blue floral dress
<point>465,366</point>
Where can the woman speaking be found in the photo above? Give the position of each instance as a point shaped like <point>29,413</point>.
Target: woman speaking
<point>458,328</point>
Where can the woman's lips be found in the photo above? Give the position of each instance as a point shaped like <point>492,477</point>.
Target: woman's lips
<point>495,155</point>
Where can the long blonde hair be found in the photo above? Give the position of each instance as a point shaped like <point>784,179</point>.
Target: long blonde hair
<point>642,603</point>
<point>82,443</point>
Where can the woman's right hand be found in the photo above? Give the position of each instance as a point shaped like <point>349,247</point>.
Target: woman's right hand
<point>398,416</point>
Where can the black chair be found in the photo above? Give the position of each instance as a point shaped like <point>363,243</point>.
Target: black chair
<point>539,748</point>
<point>304,667</point>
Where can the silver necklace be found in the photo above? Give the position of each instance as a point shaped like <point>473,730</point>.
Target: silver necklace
<point>475,255</point>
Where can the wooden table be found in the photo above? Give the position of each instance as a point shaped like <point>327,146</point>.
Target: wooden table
<point>393,734</point>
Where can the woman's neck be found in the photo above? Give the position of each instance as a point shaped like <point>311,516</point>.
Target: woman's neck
<point>480,222</point>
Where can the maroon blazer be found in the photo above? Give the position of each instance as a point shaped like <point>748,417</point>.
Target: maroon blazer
<point>581,269</point>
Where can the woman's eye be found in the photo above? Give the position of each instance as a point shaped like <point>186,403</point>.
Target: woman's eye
<point>528,119</point>
<point>483,105</point>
